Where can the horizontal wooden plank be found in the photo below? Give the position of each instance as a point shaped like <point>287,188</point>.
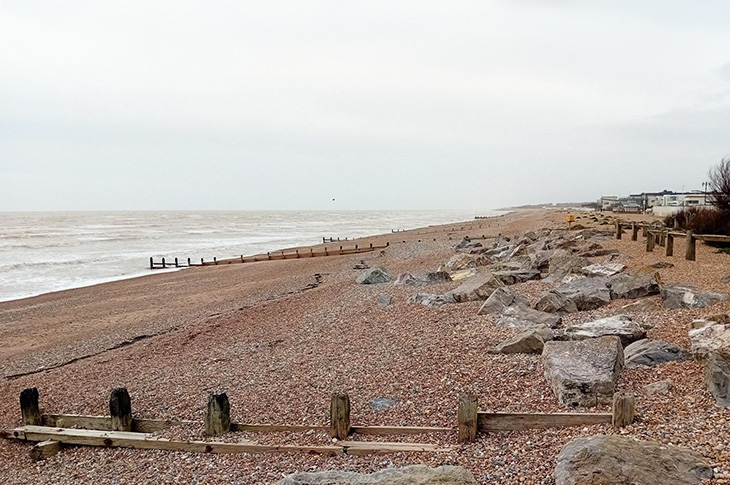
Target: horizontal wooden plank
<point>275,428</point>
<point>368,448</point>
<point>145,441</point>
<point>395,430</point>
<point>488,421</point>
<point>712,237</point>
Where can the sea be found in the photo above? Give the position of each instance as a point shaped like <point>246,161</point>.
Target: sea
<point>41,252</point>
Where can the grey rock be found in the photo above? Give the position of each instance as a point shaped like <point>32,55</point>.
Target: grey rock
<point>622,326</point>
<point>408,475</point>
<point>522,316</point>
<point>653,352</point>
<point>467,243</point>
<point>555,302</point>
<point>373,276</point>
<point>429,299</point>
<point>717,377</point>
<point>725,279</point>
<point>517,276</point>
<point>528,342</point>
<point>381,403</point>
<point>479,287</point>
<point>587,293</point>
<point>608,269</point>
<point>684,296</point>
<point>563,263</point>
<point>385,300</point>
<point>659,387</point>
<point>422,278</point>
<point>458,262</point>
<point>500,299</point>
<point>708,339</point>
<point>618,460</point>
<point>633,286</point>
<point>598,252</point>
<point>583,373</point>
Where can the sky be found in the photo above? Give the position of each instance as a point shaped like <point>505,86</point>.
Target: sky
<point>335,105</point>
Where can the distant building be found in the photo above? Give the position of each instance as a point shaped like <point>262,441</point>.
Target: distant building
<point>608,202</point>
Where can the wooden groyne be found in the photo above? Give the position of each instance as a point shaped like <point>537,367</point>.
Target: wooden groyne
<point>272,256</point>
<point>663,236</point>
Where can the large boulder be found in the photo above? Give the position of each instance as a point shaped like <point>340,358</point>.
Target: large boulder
<point>480,287</point>
<point>653,352</point>
<point>622,326</point>
<point>528,342</point>
<point>684,296</point>
<point>467,243</point>
<point>461,261</point>
<point>422,278</point>
<point>583,373</point>
<point>708,339</point>
<point>522,316</point>
<point>408,475</point>
<point>608,269</point>
<point>562,263</point>
<point>373,276</point>
<point>516,276</point>
<point>587,293</point>
<point>555,302</point>
<point>500,299</point>
<point>429,299</point>
<point>633,286</point>
<point>717,377</point>
<point>618,460</point>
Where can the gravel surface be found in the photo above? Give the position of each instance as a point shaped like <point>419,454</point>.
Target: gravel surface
<point>279,347</point>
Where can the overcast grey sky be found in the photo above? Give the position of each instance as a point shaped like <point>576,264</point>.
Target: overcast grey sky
<point>379,105</point>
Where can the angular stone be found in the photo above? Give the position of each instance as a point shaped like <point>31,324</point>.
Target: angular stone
<point>659,387</point>
<point>458,262</point>
<point>717,377</point>
<point>583,373</point>
<point>622,326</point>
<point>467,243</point>
<point>500,299</point>
<point>408,475</point>
<point>653,352</point>
<point>517,276</point>
<point>480,287</point>
<point>381,403</point>
<point>385,300</point>
<point>529,342</point>
<point>422,278</point>
<point>373,276</point>
<point>520,316</point>
<point>429,299</point>
<point>555,302</point>
<point>462,274</point>
<point>633,286</point>
<point>587,293</point>
<point>618,460</point>
<point>709,339</point>
<point>682,296</point>
<point>608,269</point>
<point>563,263</point>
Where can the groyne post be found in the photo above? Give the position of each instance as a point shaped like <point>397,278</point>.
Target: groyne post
<point>120,409</point>
<point>690,253</point>
<point>468,418</point>
<point>340,416</point>
<point>29,408</point>
<point>218,415</point>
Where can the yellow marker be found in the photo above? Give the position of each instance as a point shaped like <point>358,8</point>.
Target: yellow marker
<point>569,219</point>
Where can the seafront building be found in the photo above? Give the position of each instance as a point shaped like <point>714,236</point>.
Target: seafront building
<point>662,203</point>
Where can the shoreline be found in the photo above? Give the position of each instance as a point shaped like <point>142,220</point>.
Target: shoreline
<point>280,337</point>
<point>149,272</point>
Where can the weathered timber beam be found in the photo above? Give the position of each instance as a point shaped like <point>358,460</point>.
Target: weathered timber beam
<point>516,421</point>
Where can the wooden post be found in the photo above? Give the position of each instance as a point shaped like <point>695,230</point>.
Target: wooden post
<point>176,265</point>
<point>325,251</point>
<point>268,256</point>
<point>691,243</point>
<point>29,408</point>
<point>634,232</point>
<point>676,223</point>
<point>188,261</point>
<point>163,263</point>
<point>152,263</point>
<point>120,409</point>
<point>624,406</point>
<point>662,239</point>
<point>644,231</point>
<point>340,416</point>
<point>218,415</point>
<point>297,253</point>
<point>311,252</point>
<point>215,261</point>
<point>618,230</point>
<point>468,417</point>
<point>201,261</point>
<point>649,243</point>
<point>670,245</point>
